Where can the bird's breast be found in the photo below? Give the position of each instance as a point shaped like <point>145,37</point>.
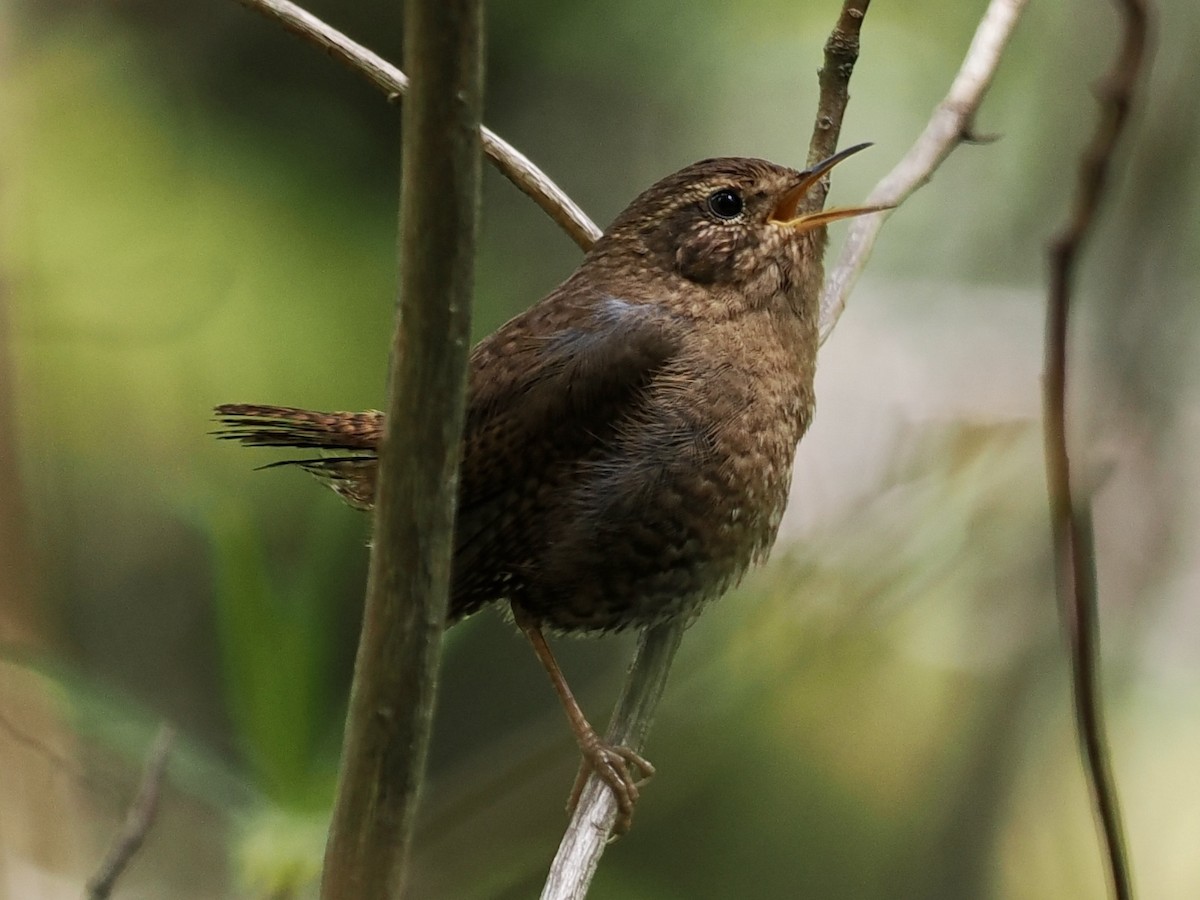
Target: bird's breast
<point>689,494</point>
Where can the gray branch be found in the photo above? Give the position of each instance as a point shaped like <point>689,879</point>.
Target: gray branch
<point>950,125</point>
<point>587,833</point>
<point>511,163</point>
<point>138,820</point>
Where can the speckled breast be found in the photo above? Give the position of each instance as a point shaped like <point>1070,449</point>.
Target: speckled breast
<point>671,515</point>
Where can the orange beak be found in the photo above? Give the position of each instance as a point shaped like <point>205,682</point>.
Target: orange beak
<point>785,210</point>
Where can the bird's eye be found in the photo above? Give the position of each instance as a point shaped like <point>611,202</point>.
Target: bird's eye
<point>725,204</point>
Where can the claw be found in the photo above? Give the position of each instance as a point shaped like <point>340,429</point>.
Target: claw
<point>615,765</point>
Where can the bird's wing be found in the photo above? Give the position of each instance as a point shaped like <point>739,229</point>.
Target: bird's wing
<point>547,390</point>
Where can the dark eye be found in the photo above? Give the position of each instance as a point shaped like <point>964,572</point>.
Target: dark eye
<point>725,203</point>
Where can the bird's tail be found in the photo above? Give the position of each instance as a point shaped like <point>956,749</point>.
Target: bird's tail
<point>348,440</point>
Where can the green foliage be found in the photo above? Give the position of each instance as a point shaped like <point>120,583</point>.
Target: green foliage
<point>279,852</point>
<point>276,658</point>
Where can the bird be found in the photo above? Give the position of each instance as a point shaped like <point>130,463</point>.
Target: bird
<point>629,439</point>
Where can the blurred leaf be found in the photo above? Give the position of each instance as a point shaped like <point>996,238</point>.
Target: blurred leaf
<point>276,656</point>
<point>280,852</point>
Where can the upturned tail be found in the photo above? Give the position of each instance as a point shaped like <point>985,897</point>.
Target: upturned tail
<point>348,440</point>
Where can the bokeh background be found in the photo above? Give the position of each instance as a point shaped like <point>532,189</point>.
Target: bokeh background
<point>198,208</point>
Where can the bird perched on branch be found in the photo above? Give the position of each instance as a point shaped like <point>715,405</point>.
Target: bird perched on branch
<point>629,439</point>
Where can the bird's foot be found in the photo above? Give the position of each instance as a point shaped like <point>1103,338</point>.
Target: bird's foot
<point>622,768</point>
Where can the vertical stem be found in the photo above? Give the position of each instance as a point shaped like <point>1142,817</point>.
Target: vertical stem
<point>841,53</point>
<point>1070,509</point>
<point>391,701</point>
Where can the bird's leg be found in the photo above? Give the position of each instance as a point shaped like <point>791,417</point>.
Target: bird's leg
<point>612,763</point>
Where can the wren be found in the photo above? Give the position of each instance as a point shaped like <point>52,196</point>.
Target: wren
<point>628,443</point>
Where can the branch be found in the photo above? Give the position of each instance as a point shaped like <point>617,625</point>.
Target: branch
<point>588,832</point>
<point>138,820</point>
<point>841,53</point>
<point>391,698</point>
<point>1071,518</point>
<point>950,125</point>
<point>513,164</point>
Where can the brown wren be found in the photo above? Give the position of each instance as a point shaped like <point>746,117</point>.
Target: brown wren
<point>628,443</point>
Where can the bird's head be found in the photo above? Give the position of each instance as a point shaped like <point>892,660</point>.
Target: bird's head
<point>732,224</point>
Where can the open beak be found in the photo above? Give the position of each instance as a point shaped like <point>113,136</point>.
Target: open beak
<point>785,210</point>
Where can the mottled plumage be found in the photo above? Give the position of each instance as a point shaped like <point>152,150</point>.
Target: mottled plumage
<point>629,439</point>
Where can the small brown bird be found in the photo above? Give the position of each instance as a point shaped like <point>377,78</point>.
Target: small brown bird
<point>629,439</point>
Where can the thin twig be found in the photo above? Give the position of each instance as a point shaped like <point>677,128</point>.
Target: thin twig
<point>841,53</point>
<point>588,832</point>
<point>138,820</point>
<point>950,125</point>
<point>1071,517</point>
<point>513,164</point>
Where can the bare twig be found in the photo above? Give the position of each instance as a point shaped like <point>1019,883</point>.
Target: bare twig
<point>950,125</point>
<point>588,832</point>
<point>841,53</point>
<point>138,820</point>
<point>391,698</point>
<point>513,164</point>
<point>1071,517</point>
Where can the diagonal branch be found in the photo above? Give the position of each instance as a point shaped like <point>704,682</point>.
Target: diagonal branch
<point>1071,516</point>
<point>138,820</point>
<point>950,125</point>
<point>513,164</point>
<point>588,832</point>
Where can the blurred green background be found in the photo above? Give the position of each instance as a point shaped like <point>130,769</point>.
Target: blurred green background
<point>198,208</point>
